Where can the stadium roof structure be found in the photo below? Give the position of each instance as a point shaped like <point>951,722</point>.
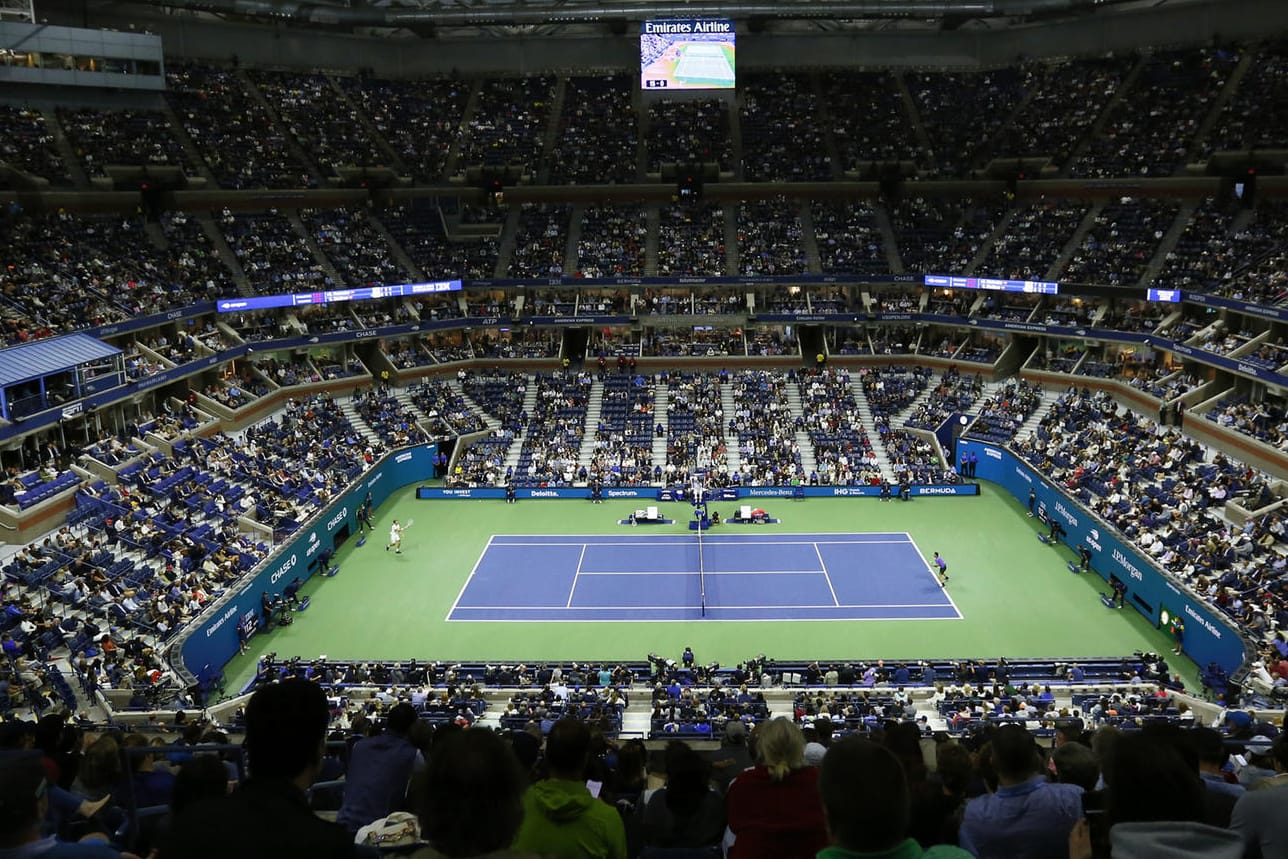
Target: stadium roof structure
<point>44,357</point>
<point>437,15</point>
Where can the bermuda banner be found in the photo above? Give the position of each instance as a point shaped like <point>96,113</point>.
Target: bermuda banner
<point>677,494</point>
<point>1208,635</point>
<point>212,641</point>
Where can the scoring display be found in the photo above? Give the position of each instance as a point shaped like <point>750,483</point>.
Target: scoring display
<point>687,54</point>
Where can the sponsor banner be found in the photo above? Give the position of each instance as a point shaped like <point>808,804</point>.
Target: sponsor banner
<point>212,640</point>
<point>138,323</point>
<point>1209,636</point>
<point>679,494</point>
<point>580,492</point>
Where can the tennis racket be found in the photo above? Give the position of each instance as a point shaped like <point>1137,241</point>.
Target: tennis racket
<point>410,522</point>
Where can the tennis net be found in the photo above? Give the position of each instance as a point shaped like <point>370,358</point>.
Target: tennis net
<point>702,573</point>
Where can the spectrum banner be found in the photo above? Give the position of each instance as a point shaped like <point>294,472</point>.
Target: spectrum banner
<point>1209,636</point>
<point>676,494</point>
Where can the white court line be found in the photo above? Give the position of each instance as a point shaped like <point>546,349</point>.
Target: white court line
<point>713,542</point>
<point>689,620</point>
<point>575,575</point>
<point>934,578</point>
<point>470,577</point>
<point>823,564</point>
<point>707,572</point>
<point>778,606</point>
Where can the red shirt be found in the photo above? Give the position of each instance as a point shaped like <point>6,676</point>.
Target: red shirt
<point>776,820</point>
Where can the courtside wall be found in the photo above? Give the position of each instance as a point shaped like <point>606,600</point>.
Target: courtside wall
<point>1209,636</point>
<point>213,640</point>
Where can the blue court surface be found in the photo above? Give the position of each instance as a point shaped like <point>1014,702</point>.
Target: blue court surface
<point>644,577</point>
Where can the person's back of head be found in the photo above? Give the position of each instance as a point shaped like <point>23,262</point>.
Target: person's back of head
<point>471,795</point>
<point>780,747</point>
<point>401,719</point>
<point>954,765</point>
<point>865,796</point>
<point>285,729</point>
<point>1075,763</point>
<point>1209,746</point>
<point>687,778</point>
<point>1150,780</point>
<point>199,778</point>
<point>22,792</point>
<point>1014,754</point>
<point>567,746</point>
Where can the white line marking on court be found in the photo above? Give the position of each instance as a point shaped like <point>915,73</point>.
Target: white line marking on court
<point>695,617</point>
<point>713,542</point>
<point>778,606</point>
<point>470,577</point>
<point>707,572</point>
<point>822,564</point>
<point>926,566</point>
<point>575,574</point>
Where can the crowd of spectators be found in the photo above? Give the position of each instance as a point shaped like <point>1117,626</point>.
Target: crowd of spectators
<point>689,132</point>
<point>597,142</point>
<point>238,141</point>
<point>962,111</point>
<point>327,126</point>
<point>28,145</point>
<point>133,138</point>
<point>388,416</point>
<point>942,235</point>
<point>419,229</point>
<point>612,242</point>
<point>508,125</point>
<point>769,238</point>
<point>1032,240</point>
<point>849,240</point>
<point>1264,421</point>
<point>622,452</point>
<point>552,438</point>
<point>1121,243</point>
<point>501,395</point>
<point>691,240</point>
<point>765,428</point>
<point>954,392</point>
<point>357,251</point>
<point>783,138</point>
<point>1253,118</point>
<point>541,242</point>
<point>1151,128</point>
<point>273,256</point>
<point>419,119</point>
<point>869,120</point>
<point>695,428</point>
<point>1001,415</point>
<point>830,415</point>
<point>1065,98</point>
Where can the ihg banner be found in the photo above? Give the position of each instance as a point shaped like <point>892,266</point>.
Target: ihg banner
<point>212,640</point>
<point>1209,636</point>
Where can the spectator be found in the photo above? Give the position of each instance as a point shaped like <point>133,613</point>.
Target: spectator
<point>733,756</point>
<point>380,768</point>
<point>1259,814</point>
<point>1155,805</point>
<point>868,806</point>
<point>560,815</point>
<point>268,816</point>
<point>774,808</point>
<point>472,798</point>
<point>24,803</point>
<point>687,812</point>
<point>1027,816</point>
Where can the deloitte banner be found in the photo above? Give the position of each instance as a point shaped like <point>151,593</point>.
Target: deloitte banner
<point>725,494</point>
<point>212,641</point>
<point>1208,635</point>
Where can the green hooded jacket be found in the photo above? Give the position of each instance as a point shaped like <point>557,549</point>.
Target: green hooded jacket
<point>563,821</point>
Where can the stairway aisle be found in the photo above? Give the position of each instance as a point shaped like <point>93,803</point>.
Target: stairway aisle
<point>594,408</point>
<point>492,423</point>
<point>529,406</point>
<point>731,436</point>
<point>363,428</point>
<point>870,425</point>
<point>809,457</point>
<point>661,411</point>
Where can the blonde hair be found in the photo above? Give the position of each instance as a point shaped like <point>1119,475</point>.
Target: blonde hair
<point>780,746</point>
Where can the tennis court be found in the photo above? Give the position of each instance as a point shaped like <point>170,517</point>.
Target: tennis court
<point>702,62</point>
<point>651,577</point>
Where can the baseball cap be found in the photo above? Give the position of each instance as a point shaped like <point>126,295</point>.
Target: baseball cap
<point>1259,745</point>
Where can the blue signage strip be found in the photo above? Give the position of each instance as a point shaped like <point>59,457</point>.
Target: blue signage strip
<point>727,494</point>
<point>213,640</point>
<point>1209,635</point>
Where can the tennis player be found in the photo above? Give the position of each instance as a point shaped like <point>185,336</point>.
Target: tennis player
<point>395,538</point>
<point>940,568</point>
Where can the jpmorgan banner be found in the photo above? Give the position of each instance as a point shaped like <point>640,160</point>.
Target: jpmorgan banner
<point>1209,635</point>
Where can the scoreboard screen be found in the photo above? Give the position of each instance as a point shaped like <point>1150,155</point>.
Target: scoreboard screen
<point>685,54</point>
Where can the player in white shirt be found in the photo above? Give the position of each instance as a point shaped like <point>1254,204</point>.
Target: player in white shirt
<point>395,537</point>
